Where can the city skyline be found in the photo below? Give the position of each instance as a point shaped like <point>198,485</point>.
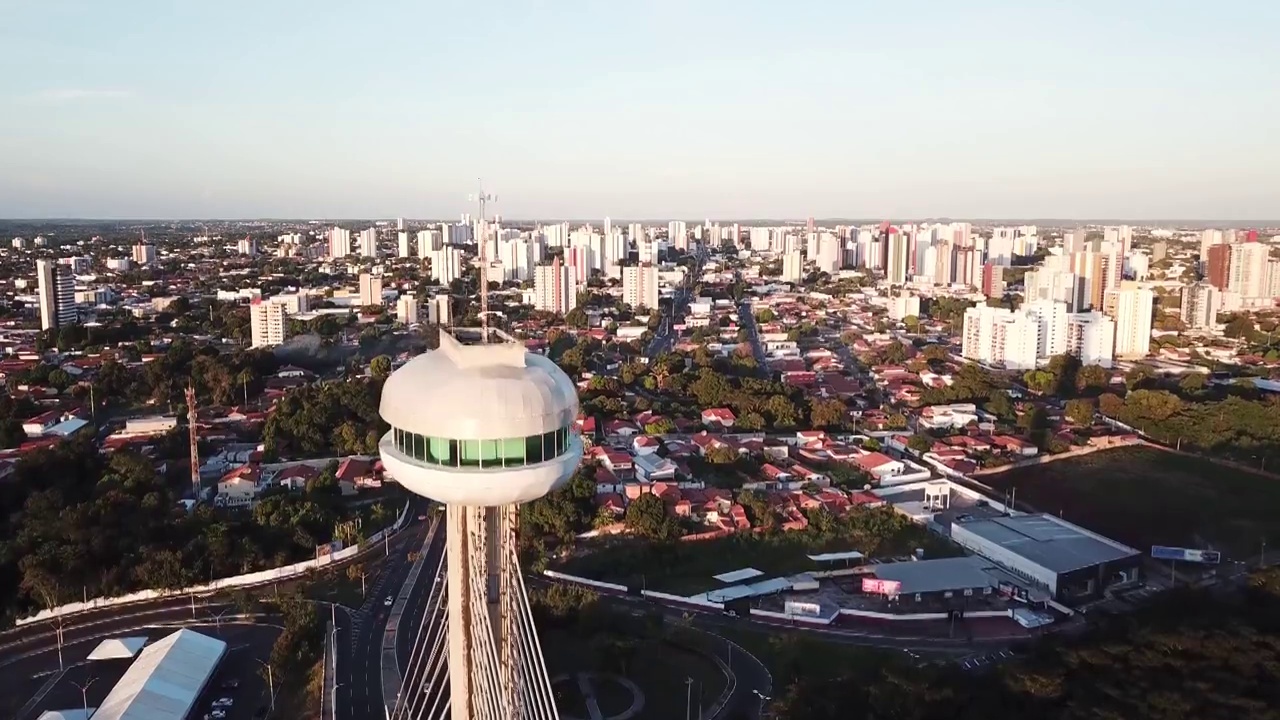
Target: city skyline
<point>574,110</point>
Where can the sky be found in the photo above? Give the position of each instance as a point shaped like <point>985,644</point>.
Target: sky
<point>648,109</point>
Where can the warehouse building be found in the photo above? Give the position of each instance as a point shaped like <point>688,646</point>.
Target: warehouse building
<point>1069,562</point>
<point>165,679</point>
<point>943,579</point>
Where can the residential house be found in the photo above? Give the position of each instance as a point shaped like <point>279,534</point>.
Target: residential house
<point>718,417</point>
<point>239,488</point>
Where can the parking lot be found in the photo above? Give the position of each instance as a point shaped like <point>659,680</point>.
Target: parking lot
<point>238,676</point>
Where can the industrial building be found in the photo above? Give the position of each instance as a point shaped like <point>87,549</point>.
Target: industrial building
<point>165,680</point>
<point>940,579</point>
<point>1069,562</point>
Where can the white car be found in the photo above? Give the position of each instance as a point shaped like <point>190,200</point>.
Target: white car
<point>223,703</point>
<point>388,601</point>
<point>216,715</point>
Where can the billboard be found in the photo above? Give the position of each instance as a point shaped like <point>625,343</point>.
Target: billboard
<point>793,607</point>
<point>1162,552</point>
<point>327,549</point>
<point>880,587</point>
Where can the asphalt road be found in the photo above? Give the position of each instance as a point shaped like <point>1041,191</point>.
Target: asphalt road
<point>360,630</point>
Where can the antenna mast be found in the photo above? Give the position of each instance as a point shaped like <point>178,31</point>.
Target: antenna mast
<point>482,198</point>
<point>195,448</point>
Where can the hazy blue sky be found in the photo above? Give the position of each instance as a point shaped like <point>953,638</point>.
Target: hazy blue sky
<point>689,108</point>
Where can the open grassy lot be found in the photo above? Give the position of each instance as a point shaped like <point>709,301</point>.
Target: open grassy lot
<point>1143,497</point>
<point>658,667</point>
<point>686,568</point>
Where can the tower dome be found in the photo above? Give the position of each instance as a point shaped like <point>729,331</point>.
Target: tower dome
<point>480,425</point>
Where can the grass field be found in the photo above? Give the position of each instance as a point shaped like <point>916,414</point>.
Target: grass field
<point>687,568</point>
<point>659,668</point>
<point>1143,497</point>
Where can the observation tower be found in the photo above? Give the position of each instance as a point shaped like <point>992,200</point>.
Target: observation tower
<point>483,428</point>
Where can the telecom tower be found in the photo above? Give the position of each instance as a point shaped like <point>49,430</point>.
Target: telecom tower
<point>482,427</point>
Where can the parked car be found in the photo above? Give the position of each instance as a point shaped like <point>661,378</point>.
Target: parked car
<point>225,702</point>
<point>388,601</point>
<point>231,684</point>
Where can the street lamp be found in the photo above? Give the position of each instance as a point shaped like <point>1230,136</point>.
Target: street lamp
<point>84,693</point>
<point>271,685</point>
<point>763,699</point>
<point>217,618</point>
<point>688,698</point>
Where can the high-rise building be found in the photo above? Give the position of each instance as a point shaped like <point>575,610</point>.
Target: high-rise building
<point>1200,304</point>
<point>828,256</point>
<point>1159,251</point>
<point>144,254</point>
<point>339,242</point>
<point>1091,338</point>
<point>792,267</point>
<point>57,288</point>
<point>678,235</point>
<point>1247,270</point>
<point>247,246</point>
<point>1217,263</point>
<point>407,308</point>
<point>446,265</point>
<point>439,310</point>
<point>428,242</point>
<point>640,286</point>
<point>1273,279</point>
<point>1052,318</point>
<point>370,289</point>
<point>403,248</point>
<point>369,242</point>
<point>555,288</point>
<point>400,224</point>
<point>993,280</point>
<point>1130,307</point>
<point>267,323</point>
<point>897,258</point>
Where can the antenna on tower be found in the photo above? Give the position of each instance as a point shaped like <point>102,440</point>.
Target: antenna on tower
<point>482,198</point>
<point>192,417</point>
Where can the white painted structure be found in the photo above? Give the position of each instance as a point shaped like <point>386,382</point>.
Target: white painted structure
<point>480,428</point>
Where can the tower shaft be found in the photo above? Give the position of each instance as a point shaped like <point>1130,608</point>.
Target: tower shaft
<point>485,645</point>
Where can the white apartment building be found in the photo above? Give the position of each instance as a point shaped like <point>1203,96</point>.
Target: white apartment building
<point>1091,337</point>
<point>369,242</point>
<point>446,265</point>
<point>999,336</point>
<point>1247,271</point>
<point>247,246</point>
<point>792,267</point>
<point>370,289</point>
<point>56,287</point>
<point>555,288</point>
<point>144,254</point>
<point>1052,317</point>
<point>899,258</point>
<point>439,311</point>
<point>678,235</point>
<point>428,242</point>
<point>403,248</point>
<point>829,256</point>
<point>293,303</point>
<point>267,324</point>
<point>1200,305</point>
<point>902,305</point>
<point>640,286</point>
<point>407,308</point>
<point>1130,307</point>
<point>339,242</point>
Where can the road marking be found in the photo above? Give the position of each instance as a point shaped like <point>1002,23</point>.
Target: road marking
<point>44,690</point>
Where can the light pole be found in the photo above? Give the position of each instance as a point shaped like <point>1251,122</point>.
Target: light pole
<point>333,700</point>
<point>763,699</point>
<point>688,698</point>
<point>84,693</point>
<point>271,685</point>
<point>217,618</point>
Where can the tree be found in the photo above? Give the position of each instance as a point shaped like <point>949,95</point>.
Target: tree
<point>1192,383</point>
<point>919,443</point>
<point>576,318</point>
<point>1138,376</point>
<point>912,322</point>
<point>380,367</point>
<point>647,516</point>
<point>1079,411</point>
<point>1000,405</point>
<point>1093,378</point>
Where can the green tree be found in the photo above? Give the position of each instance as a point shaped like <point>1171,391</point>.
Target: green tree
<point>1079,411</point>
<point>380,367</point>
<point>647,516</point>
<point>576,318</point>
<point>920,443</point>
